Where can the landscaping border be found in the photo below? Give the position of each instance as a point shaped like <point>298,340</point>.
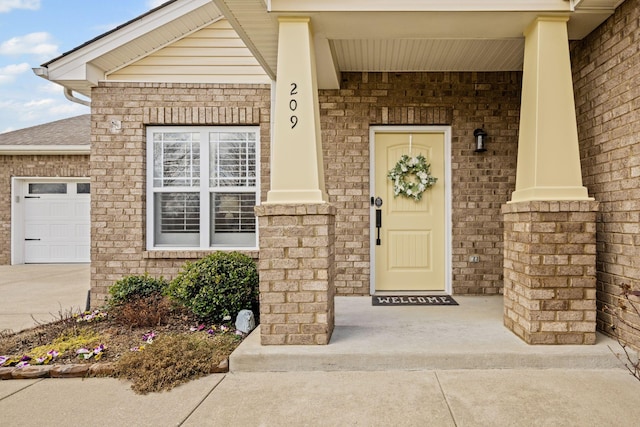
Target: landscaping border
<point>77,370</point>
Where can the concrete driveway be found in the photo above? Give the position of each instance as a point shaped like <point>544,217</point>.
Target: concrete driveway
<point>37,293</point>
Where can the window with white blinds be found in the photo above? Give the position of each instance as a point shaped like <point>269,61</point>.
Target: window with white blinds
<point>215,211</point>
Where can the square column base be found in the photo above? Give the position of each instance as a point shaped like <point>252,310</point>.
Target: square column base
<point>550,271</point>
<point>297,270</point>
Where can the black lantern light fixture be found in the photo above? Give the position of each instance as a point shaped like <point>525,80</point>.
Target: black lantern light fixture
<point>481,138</point>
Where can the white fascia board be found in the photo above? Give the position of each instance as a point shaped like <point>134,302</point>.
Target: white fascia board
<point>288,6</point>
<point>597,4</point>
<point>44,150</point>
<point>76,60</point>
<point>81,72</point>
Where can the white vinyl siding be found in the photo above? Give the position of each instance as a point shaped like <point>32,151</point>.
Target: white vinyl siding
<point>202,187</point>
<point>214,54</point>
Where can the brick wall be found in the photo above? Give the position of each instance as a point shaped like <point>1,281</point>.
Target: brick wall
<point>31,166</point>
<point>466,101</point>
<point>297,271</point>
<point>549,264</point>
<point>118,166</point>
<point>606,73</point>
<point>481,182</point>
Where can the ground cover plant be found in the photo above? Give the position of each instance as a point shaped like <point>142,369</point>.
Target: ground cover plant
<point>149,337</point>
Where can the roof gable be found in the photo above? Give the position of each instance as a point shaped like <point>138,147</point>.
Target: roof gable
<point>82,68</point>
<point>213,54</point>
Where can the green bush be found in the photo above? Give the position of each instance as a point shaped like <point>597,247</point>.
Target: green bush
<point>216,286</point>
<point>131,288</point>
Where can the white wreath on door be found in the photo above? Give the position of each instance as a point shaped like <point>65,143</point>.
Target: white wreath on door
<point>411,177</point>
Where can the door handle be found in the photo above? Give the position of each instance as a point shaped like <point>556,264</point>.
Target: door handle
<point>378,225</point>
<point>32,240</point>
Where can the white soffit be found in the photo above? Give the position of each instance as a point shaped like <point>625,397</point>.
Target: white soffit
<point>256,27</point>
<point>418,5</point>
<point>429,55</point>
<point>409,35</point>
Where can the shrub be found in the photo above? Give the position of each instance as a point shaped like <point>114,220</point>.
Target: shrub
<point>172,360</point>
<point>216,286</point>
<point>135,287</point>
<point>152,310</point>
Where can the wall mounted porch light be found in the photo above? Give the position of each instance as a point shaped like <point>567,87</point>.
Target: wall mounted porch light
<point>481,138</point>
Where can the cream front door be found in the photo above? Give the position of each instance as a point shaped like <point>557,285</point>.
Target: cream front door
<point>411,254</point>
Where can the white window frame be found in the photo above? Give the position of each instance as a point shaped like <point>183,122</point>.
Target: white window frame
<point>204,190</point>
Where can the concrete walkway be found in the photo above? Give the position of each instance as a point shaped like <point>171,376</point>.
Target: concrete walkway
<point>494,398</point>
<point>385,366</point>
<point>38,293</point>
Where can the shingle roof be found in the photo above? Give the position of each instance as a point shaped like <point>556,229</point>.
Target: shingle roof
<point>137,18</point>
<point>72,131</point>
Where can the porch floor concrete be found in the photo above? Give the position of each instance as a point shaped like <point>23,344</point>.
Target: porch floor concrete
<point>468,336</point>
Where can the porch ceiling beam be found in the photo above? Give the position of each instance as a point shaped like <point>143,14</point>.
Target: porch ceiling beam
<point>257,29</point>
<point>328,71</point>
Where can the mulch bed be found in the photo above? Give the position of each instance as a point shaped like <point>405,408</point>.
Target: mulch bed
<point>117,338</point>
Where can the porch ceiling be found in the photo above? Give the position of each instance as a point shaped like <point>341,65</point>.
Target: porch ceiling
<point>408,35</point>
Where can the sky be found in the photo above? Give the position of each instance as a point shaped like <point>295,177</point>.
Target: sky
<point>33,32</point>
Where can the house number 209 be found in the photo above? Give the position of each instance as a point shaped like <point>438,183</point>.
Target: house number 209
<point>293,105</point>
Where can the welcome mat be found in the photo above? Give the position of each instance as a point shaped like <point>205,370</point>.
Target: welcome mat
<point>413,300</point>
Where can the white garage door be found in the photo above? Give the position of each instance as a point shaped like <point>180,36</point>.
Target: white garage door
<point>56,222</point>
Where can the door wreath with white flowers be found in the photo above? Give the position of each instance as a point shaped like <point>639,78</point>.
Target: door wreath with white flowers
<point>411,177</point>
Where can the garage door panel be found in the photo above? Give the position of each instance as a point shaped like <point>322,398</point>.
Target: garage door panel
<point>34,252</point>
<point>83,209</point>
<point>37,231</point>
<point>57,227</point>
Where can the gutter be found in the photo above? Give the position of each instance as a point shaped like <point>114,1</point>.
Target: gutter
<point>68,93</point>
<point>42,150</point>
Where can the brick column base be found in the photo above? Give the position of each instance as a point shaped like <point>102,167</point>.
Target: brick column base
<point>296,269</point>
<point>550,271</point>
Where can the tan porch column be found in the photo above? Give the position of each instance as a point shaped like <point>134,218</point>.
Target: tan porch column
<point>297,174</point>
<point>297,225</point>
<point>548,156</point>
<point>549,237</point>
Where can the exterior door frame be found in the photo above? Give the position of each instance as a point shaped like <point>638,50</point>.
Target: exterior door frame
<point>446,130</point>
